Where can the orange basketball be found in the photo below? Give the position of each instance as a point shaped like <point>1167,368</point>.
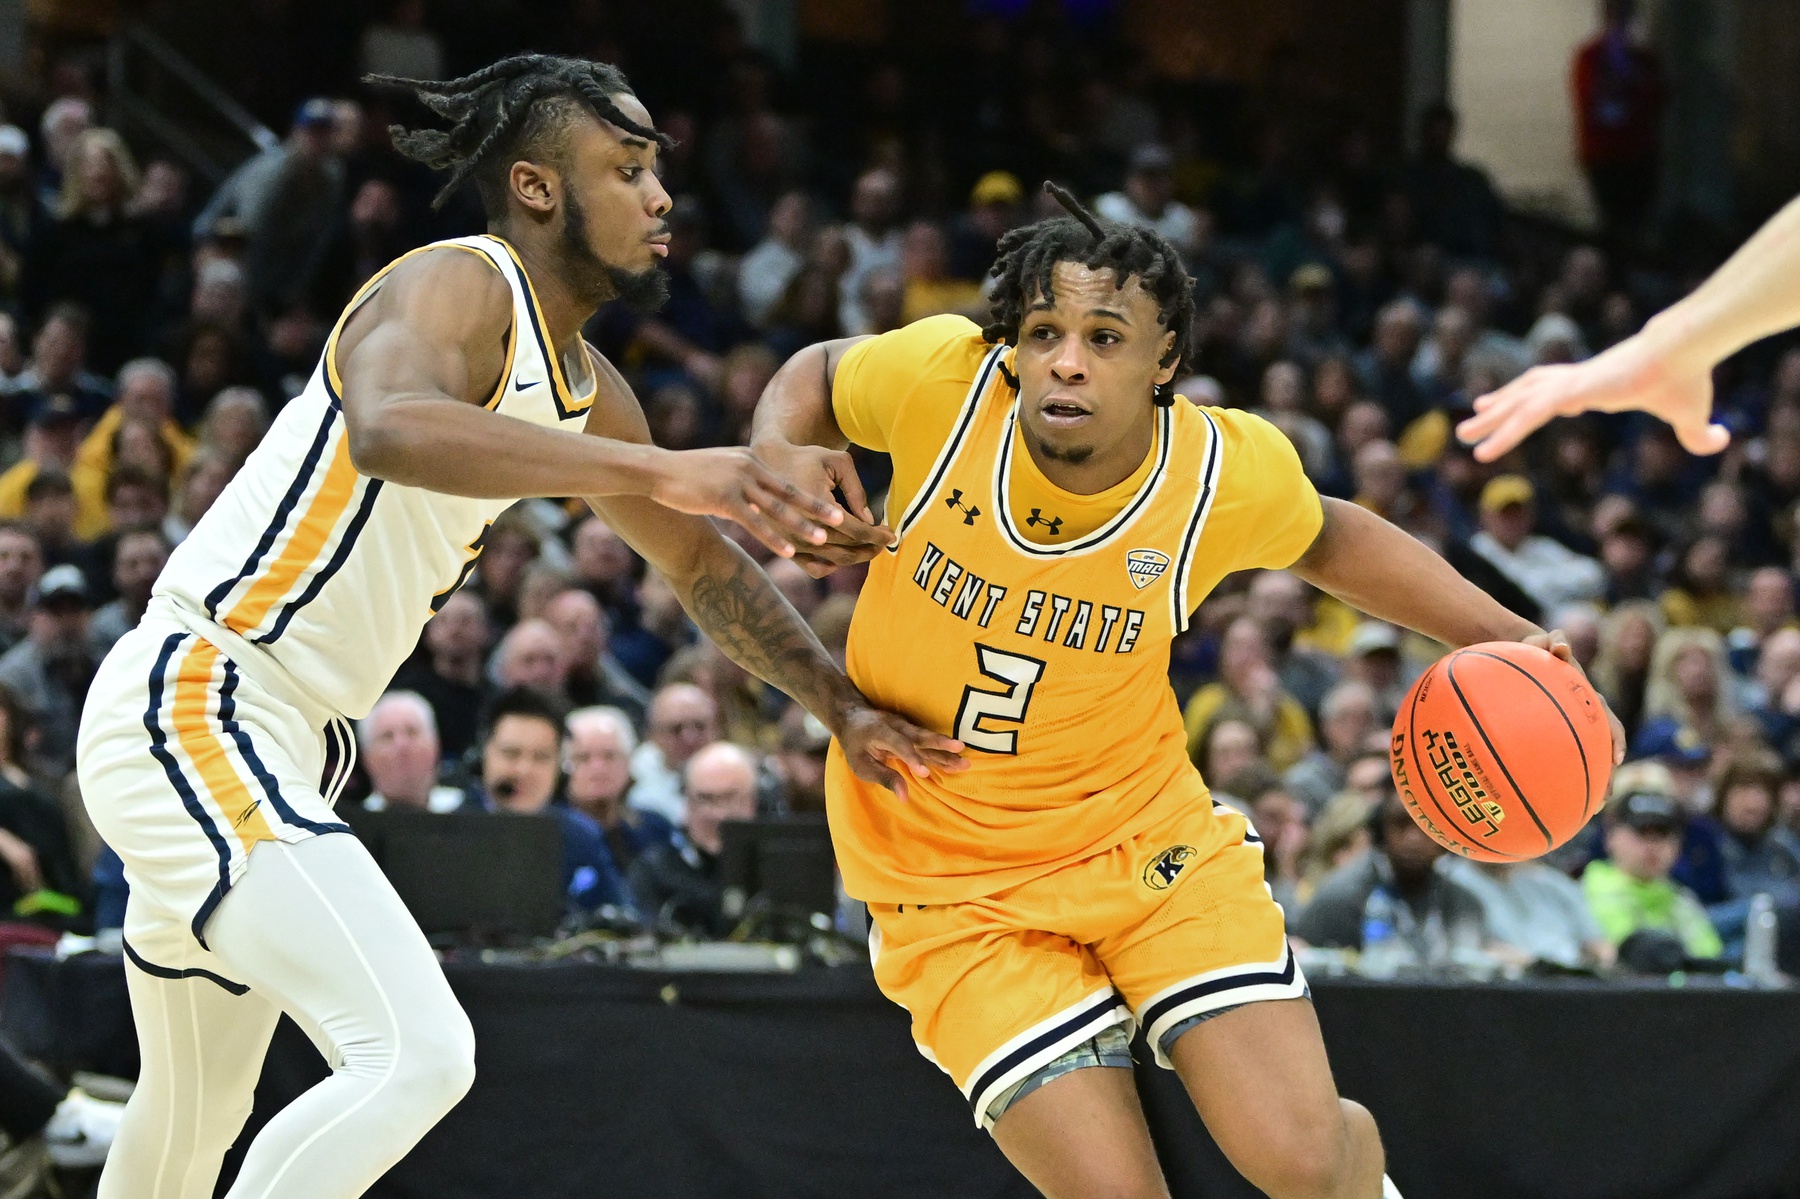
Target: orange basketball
<point>1502,751</point>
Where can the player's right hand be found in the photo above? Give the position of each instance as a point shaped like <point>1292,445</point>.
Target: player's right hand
<point>884,749</point>
<point>733,483</point>
<point>1632,376</point>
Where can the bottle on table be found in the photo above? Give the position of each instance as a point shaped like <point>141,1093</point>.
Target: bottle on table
<point>1760,932</point>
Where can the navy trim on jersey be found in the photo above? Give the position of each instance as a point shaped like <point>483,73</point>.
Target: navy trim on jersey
<point>1003,485</point>
<point>308,466</point>
<point>247,750</point>
<point>159,749</point>
<point>151,968</point>
<point>1234,982</point>
<point>551,366</point>
<point>951,449</point>
<point>1101,1005</point>
<point>1209,483</point>
<point>345,544</point>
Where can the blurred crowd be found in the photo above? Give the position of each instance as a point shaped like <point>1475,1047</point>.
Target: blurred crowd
<point>1358,300</point>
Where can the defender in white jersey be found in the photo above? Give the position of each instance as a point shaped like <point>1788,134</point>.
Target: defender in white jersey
<point>216,734</point>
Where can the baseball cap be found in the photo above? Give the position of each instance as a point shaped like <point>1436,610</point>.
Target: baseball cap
<point>63,582</point>
<point>1646,810</point>
<point>997,187</point>
<point>316,111</point>
<point>1152,157</point>
<point>13,141</point>
<point>1503,491</point>
<point>1372,636</point>
<point>54,408</point>
<point>1310,277</point>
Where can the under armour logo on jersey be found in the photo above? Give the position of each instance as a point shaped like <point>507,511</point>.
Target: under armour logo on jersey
<point>956,501</point>
<point>1052,523</point>
<point>1145,567</point>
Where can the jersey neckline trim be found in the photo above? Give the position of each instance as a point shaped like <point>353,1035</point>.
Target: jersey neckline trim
<point>1106,532</point>
<point>566,404</point>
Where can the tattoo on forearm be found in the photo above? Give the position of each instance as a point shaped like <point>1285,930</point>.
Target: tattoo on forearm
<point>741,610</point>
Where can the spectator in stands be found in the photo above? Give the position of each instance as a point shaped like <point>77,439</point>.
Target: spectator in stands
<point>1148,199</point>
<point>1338,836</point>
<point>20,215</point>
<point>96,252</point>
<point>1228,748</point>
<point>1249,690</point>
<point>800,760</point>
<point>520,755</point>
<point>146,394</point>
<point>1760,857</point>
<point>677,885</point>
<point>236,421</point>
<point>683,718</point>
<point>449,675</point>
<point>1418,903</point>
<point>52,511</point>
<point>594,676</point>
<point>59,365</point>
<point>196,489</point>
<point>1372,657</point>
<point>1632,889</point>
<point>925,268</point>
<point>50,670</point>
<point>1346,719</point>
<point>399,749</point>
<point>39,877</point>
<point>288,200</point>
<point>1533,913</point>
<point>138,558</point>
<point>1618,103</point>
<point>1767,608</point>
<point>1456,205</point>
<point>597,759</point>
<point>513,543</point>
<point>1386,367</point>
<point>1690,689</point>
<point>61,126</point>
<point>975,233</point>
<point>1622,668</point>
<point>1548,571</point>
<point>534,655</point>
<point>21,566</point>
<point>402,45</point>
<point>874,240</point>
<point>743,375</point>
<point>771,266</point>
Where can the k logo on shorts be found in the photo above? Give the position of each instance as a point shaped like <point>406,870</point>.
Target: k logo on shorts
<point>1161,873</point>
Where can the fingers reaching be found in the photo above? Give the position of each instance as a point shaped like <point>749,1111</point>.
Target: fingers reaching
<point>751,517</point>
<point>842,469</point>
<point>1703,439</point>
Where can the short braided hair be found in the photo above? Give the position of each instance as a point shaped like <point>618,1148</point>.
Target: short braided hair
<point>1027,262</point>
<point>503,109</point>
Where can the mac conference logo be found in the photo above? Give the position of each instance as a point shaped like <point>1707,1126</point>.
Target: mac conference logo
<point>1161,873</point>
<point>1145,567</point>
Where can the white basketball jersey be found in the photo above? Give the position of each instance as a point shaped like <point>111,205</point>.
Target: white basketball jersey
<point>327,574</point>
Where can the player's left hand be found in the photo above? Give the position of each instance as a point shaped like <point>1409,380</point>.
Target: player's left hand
<point>884,749</point>
<point>1557,642</point>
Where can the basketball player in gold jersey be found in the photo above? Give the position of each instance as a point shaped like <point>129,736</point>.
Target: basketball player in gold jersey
<point>1059,515</point>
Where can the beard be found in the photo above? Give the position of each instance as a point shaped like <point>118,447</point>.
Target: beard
<point>643,292</point>
<point>1073,455</point>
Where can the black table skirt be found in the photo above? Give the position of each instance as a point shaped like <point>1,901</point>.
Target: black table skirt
<point>594,1081</point>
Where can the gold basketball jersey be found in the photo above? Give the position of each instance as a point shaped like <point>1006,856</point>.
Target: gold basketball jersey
<point>1050,662</point>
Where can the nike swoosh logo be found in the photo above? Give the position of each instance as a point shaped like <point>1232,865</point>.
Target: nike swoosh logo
<point>521,385</point>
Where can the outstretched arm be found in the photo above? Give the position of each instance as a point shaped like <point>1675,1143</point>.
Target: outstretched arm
<point>1666,369</point>
<point>1380,569</point>
<point>734,603</point>
<point>423,355</point>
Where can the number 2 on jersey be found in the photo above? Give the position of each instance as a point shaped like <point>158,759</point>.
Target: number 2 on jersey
<point>1020,674</point>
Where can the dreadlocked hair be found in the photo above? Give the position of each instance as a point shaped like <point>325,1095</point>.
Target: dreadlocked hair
<point>1027,261</point>
<point>502,108</point>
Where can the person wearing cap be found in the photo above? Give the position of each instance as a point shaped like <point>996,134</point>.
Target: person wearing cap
<point>1148,199</point>
<point>287,200</point>
<point>1372,657</point>
<point>994,206</point>
<point>1314,335</point>
<point>51,437</point>
<point>59,364</point>
<point>1545,569</point>
<point>51,669</point>
<point>1632,888</point>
